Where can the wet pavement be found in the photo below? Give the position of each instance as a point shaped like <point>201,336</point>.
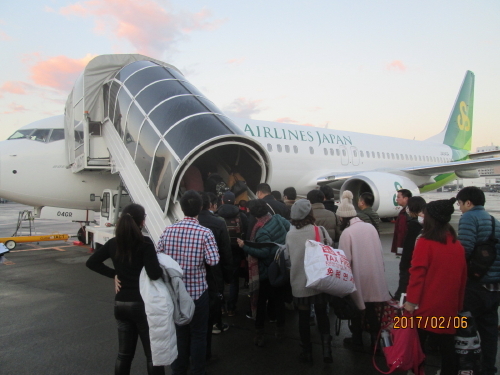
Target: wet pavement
<point>56,316</point>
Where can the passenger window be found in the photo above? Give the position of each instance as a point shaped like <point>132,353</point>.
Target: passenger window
<point>338,152</point>
<point>279,148</point>
<point>361,153</point>
<point>344,153</point>
<point>40,135</point>
<point>331,151</point>
<point>367,154</point>
<point>383,155</point>
<point>311,150</point>
<point>287,148</point>
<point>295,149</point>
<point>57,135</point>
<point>397,156</point>
<point>269,147</point>
<point>378,155</point>
<point>373,154</point>
<point>326,151</point>
<point>407,157</point>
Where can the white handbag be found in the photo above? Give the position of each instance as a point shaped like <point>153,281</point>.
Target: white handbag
<point>327,269</point>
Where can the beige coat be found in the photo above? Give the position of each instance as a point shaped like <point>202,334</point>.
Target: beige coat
<point>296,242</point>
<point>327,219</point>
<point>362,247</point>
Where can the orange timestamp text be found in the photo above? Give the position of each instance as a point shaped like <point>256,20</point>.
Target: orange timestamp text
<point>433,322</point>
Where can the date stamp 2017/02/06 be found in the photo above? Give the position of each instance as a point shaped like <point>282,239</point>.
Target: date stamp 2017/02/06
<point>432,322</point>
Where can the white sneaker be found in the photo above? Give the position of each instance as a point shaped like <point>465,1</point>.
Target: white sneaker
<point>217,330</point>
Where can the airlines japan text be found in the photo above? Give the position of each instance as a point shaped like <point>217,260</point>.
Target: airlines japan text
<point>297,135</point>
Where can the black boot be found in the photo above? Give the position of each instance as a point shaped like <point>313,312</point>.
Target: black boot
<point>306,354</point>
<point>326,342</point>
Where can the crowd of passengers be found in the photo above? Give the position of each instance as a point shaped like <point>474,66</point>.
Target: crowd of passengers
<point>226,237</point>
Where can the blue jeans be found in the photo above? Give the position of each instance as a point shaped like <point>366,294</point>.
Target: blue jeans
<point>483,306</point>
<point>192,340</point>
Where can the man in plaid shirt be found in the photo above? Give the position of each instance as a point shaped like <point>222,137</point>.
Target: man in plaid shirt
<point>191,245</point>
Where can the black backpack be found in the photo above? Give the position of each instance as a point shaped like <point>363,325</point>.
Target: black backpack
<point>234,228</point>
<point>483,255</point>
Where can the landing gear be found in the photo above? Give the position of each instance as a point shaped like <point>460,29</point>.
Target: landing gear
<point>82,235</point>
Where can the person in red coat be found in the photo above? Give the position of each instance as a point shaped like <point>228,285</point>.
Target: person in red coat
<point>438,274</point>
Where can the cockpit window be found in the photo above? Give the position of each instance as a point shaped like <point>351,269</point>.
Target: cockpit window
<point>57,134</point>
<point>41,135</point>
<point>23,133</point>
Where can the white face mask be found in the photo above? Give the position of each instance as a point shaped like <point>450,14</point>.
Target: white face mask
<point>421,220</point>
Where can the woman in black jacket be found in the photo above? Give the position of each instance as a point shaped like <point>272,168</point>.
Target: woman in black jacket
<point>414,209</point>
<point>129,251</point>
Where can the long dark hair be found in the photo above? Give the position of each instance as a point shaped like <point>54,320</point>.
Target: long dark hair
<point>436,230</point>
<point>309,219</point>
<point>128,231</point>
<point>346,222</point>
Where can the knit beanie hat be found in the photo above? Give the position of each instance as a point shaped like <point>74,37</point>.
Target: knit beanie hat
<point>300,209</point>
<point>228,197</point>
<point>346,209</point>
<point>441,210</point>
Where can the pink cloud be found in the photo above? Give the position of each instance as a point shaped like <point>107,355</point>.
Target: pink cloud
<point>149,27</point>
<point>14,108</point>
<point>286,120</point>
<point>243,107</point>
<point>15,87</point>
<point>236,61</point>
<point>396,65</point>
<point>58,72</point>
<point>314,109</point>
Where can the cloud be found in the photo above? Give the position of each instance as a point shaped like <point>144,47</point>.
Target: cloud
<point>243,107</point>
<point>149,27</point>
<point>14,108</point>
<point>3,35</point>
<point>396,65</point>
<point>58,72</point>
<point>15,87</point>
<point>314,109</point>
<point>236,61</point>
<point>286,120</point>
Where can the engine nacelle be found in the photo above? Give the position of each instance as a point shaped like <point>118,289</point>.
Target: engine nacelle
<point>383,186</point>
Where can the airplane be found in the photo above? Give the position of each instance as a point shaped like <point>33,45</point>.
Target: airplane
<point>137,120</point>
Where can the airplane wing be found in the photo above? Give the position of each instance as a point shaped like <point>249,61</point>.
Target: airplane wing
<point>423,170</point>
<point>456,166</point>
<point>486,154</point>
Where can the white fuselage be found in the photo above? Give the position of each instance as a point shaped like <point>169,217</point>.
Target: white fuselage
<point>36,173</point>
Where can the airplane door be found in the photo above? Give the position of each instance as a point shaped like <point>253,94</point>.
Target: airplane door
<point>344,155</point>
<point>355,155</point>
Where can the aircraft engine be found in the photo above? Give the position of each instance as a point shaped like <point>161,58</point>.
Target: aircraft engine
<point>383,186</point>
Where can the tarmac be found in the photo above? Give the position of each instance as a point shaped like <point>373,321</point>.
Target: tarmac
<point>56,316</point>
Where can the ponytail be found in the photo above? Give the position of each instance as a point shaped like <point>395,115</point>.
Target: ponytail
<point>128,231</point>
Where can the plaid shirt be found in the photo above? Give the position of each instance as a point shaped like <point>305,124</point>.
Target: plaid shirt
<point>190,245</point>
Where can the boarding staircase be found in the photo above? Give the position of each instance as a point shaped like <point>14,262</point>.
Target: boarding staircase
<point>140,118</point>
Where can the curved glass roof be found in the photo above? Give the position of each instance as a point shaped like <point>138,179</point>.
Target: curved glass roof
<point>161,117</point>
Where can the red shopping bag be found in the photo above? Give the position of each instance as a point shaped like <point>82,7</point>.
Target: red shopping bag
<point>405,353</point>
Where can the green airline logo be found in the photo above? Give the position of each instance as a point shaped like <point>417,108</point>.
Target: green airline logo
<point>397,186</point>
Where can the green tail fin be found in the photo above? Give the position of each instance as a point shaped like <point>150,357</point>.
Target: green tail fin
<point>458,131</point>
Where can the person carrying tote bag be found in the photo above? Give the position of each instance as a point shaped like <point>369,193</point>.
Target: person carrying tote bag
<point>302,230</point>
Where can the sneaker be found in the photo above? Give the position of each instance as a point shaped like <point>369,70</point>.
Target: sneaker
<point>249,315</point>
<point>217,330</point>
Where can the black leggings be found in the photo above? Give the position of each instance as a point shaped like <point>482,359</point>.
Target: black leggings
<point>304,319</point>
<point>132,322</point>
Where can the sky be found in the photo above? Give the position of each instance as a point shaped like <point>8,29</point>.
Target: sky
<point>372,66</point>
